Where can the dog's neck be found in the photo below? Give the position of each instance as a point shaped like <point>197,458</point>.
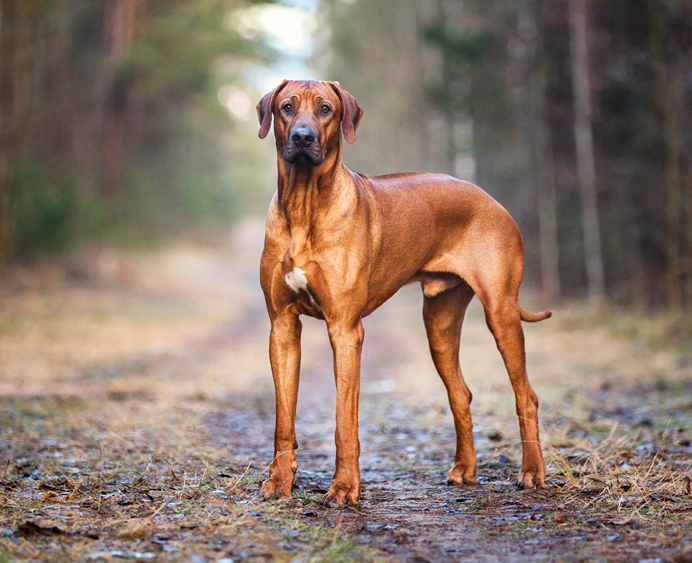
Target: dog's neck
<point>304,188</point>
<point>305,192</point>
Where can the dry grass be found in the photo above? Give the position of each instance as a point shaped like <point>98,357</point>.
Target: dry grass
<point>608,475</point>
<point>154,483</point>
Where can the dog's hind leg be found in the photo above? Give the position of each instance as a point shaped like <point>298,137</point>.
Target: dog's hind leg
<point>502,315</point>
<point>443,315</point>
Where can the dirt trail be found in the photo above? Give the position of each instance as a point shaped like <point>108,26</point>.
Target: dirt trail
<point>136,391</point>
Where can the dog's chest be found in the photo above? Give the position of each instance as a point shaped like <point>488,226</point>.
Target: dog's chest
<point>297,281</point>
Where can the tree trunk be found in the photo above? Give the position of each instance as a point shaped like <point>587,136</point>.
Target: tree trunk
<point>60,91</point>
<point>586,170</point>
<point>687,235</point>
<point>17,40</point>
<point>8,30</point>
<point>119,132</point>
<point>449,117</point>
<point>547,193</point>
<point>666,107</point>
<point>539,140</point>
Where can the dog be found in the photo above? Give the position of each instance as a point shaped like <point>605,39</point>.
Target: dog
<point>339,244</point>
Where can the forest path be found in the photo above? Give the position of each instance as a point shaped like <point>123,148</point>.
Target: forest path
<point>137,418</point>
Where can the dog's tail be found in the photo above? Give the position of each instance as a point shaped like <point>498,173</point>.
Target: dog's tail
<point>534,317</point>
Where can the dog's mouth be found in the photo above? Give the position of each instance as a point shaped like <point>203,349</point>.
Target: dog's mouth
<point>311,155</point>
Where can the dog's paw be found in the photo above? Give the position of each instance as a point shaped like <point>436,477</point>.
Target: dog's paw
<point>343,493</point>
<point>530,480</point>
<point>275,489</point>
<point>461,474</point>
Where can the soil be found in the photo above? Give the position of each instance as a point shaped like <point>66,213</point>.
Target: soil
<point>136,421</point>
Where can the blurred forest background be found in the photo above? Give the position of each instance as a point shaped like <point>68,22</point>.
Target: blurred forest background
<point>124,121</point>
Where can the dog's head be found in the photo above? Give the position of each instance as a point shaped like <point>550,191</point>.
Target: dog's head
<point>309,118</point>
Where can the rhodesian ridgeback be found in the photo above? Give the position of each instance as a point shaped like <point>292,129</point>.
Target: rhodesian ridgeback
<point>339,244</point>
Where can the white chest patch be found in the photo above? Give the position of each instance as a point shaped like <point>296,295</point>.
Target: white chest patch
<point>296,280</point>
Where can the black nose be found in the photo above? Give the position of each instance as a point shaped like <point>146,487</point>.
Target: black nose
<point>303,136</point>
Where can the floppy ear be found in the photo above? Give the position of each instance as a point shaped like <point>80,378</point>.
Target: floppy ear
<point>265,109</point>
<point>351,113</point>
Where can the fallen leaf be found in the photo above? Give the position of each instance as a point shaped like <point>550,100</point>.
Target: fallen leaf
<point>559,518</point>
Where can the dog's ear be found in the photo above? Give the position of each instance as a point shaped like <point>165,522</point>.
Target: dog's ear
<point>351,113</point>
<point>265,109</point>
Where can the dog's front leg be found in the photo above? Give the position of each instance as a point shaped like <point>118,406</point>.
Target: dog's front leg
<point>347,341</point>
<point>284,354</point>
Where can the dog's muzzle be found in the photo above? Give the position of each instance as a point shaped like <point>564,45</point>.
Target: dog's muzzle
<point>303,145</point>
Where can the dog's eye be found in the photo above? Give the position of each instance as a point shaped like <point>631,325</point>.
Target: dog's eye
<point>325,109</point>
<point>288,108</point>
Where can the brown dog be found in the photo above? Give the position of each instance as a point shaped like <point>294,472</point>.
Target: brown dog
<point>339,244</point>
